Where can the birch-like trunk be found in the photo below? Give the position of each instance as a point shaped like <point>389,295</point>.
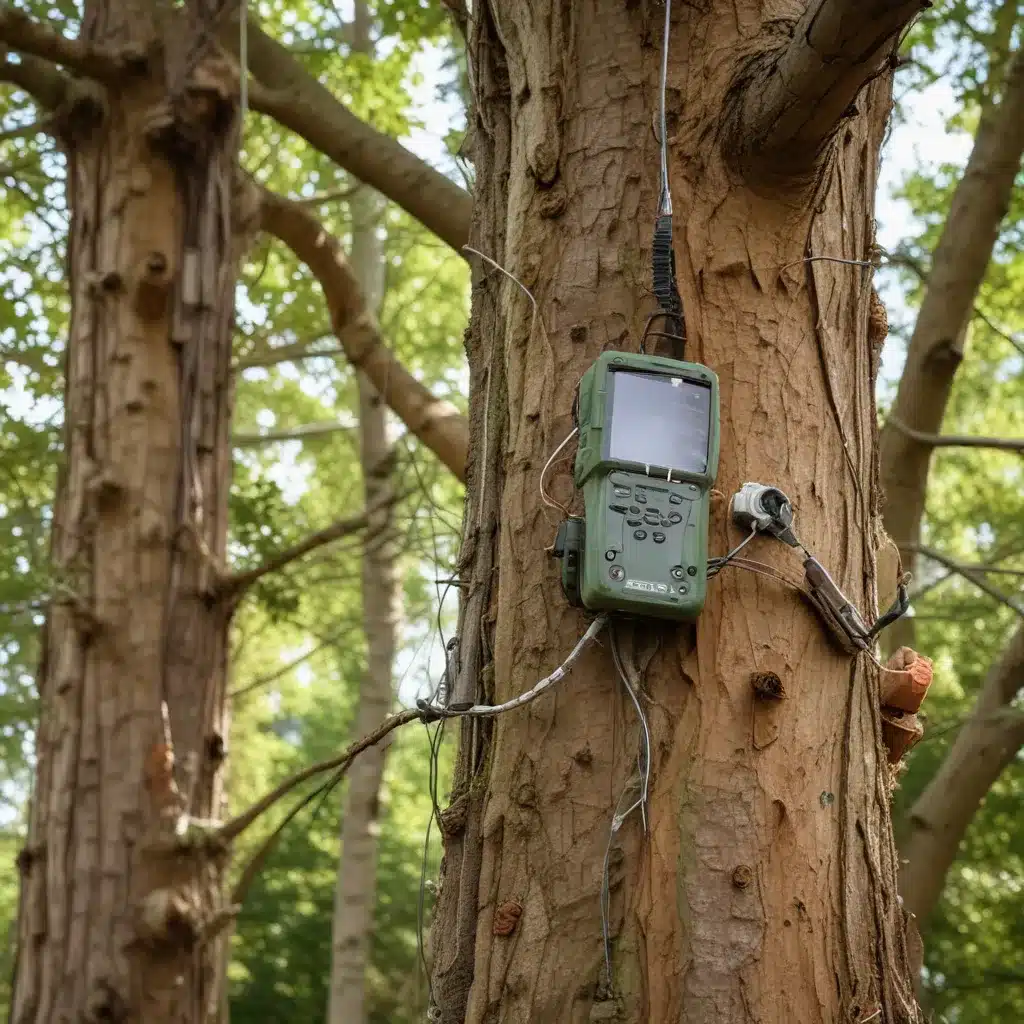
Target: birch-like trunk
<point>356,891</point>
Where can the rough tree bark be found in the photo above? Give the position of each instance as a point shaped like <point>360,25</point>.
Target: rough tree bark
<point>356,891</point>
<point>121,918</point>
<point>766,889</point>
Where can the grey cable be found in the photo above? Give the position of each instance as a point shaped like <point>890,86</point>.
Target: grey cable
<point>716,565</point>
<point>489,710</point>
<point>665,202</point>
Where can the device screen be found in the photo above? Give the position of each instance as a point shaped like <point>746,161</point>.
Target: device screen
<point>659,420</point>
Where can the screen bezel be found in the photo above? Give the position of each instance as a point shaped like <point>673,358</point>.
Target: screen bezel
<point>609,406</point>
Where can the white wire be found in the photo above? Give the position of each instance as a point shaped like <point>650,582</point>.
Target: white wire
<point>490,367</point>
<point>644,765</point>
<point>544,496</point>
<point>665,202</point>
<point>489,710</point>
<point>512,277</point>
<point>716,565</point>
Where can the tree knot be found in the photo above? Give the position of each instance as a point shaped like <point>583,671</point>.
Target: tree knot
<point>767,686</point>
<point>506,917</point>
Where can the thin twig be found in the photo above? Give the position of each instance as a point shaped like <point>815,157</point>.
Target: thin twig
<point>253,440</point>
<point>232,829</point>
<point>235,584</point>
<point>1001,331</point>
<point>1010,444</point>
<point>968,572</point>
<point>271,677</point>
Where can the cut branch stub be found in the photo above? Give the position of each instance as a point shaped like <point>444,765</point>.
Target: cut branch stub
<point>905,680</point>
<point>788,101</point>
<point>899,733</point>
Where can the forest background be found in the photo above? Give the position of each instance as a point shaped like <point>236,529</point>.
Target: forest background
<point>298,646</point>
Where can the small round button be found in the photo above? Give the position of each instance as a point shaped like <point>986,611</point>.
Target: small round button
<point>666,522</point>
<point>640,534</point>
<point>677,572</point>
<point>616,572</point>
<point>609,556</point>
<point>642,498</point>
<point>634,510</point>
<point>674,517</point>
<point>692,570</point>
<point>675,499</point>
<point>659,538</point>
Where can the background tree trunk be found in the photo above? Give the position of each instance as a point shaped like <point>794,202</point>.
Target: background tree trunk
<point>936,348</point>
<point>766,889</point>
<point>939,818</point>
<point>356,892</point>
<point>120,912</point>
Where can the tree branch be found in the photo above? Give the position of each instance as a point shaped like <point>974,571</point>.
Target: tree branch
<point>436,423</point>
<point>235,584</point>
<point>26,35</point>
<point>1009,444</point>
<point>937,821</point>
<point>247,440</point>
<point>232,829</point>
<point>904,259</point>
<point>43,81</point>
<point>299,351</point>
<point>786,103</point>
<point>285,91</point>
<point>975,576</point>
<point>958,267</point>
<point>283,670</point>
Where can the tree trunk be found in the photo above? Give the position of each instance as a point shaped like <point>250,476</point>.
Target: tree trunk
<point>936,349</point>
<point>941,815</point>
<point>766,889</point>
<point>356,891</point>
<point>120,916</point>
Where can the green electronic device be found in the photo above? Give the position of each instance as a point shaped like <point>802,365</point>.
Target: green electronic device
<point>647,458</point>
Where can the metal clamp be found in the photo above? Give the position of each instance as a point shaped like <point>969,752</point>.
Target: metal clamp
<point>764,509</point>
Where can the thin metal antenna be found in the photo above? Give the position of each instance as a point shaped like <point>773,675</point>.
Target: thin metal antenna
<point>665,203</point>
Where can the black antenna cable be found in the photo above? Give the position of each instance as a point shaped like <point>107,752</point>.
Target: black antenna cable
<point>666,288</point>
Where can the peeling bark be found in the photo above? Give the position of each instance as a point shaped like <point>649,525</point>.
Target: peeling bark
<point>121,917</point>
<point>767,888</point>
